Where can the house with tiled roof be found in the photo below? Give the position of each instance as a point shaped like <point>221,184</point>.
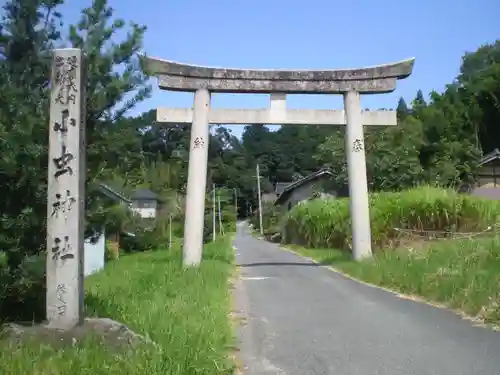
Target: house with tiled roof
<point>306,188</point>
<point>487,184</point>
<point>145,203</point>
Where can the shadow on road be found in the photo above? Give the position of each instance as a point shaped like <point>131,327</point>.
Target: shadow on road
<point>277,264</point>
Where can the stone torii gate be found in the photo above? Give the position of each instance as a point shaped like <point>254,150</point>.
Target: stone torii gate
<point>203,81</point>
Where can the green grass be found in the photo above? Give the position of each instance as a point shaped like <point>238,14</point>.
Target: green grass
<point>184,312</point>
<point>461,274</point>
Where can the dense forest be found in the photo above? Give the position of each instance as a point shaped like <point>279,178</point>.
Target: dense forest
<point>439,140</point>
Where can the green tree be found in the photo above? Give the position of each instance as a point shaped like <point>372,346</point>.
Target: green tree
<point>479,83</point>
<point>449,152</point>
<point>115,85</point>
<point>392,156</point>
<point>28,32</point>
<point>402,109</point>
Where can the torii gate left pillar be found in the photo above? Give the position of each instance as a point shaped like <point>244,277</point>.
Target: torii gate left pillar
<point>349,82</point>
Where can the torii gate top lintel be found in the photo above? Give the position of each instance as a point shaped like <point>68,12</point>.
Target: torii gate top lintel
<point>177,76</point>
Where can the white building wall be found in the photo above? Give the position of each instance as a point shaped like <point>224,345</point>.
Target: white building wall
<point>94,255</point>
<point>144,212</point>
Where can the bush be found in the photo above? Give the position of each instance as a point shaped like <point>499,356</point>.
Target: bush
<point>271,219</point>
<point>112,251</point>
<point>228,222</point>
<point>324,223</point>
<point>143,239</point>
<point>150,234</point>
<point>22,290</point>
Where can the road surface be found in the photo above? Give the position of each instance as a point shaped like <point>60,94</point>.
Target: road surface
<point>303,319</point>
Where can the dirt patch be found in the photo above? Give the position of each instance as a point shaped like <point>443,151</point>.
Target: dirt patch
<point>236,317</point>
<point>412,245</point>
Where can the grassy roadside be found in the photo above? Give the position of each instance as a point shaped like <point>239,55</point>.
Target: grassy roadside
<point>184,312</point>
<point>461,274</point>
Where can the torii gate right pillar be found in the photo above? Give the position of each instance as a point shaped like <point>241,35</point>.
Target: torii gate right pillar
<point>356,172</point>
<point>349,82</point>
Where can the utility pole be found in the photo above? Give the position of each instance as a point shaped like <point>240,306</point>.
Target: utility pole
<point>213,212</point>
<point>221,229</point>
<point>260,201</point>
<point>170,231</point>
<point>236,204</point>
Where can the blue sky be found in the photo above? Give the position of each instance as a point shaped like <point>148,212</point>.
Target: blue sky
<point>311,34</point>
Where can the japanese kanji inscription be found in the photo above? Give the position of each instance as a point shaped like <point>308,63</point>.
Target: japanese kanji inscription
<point>66,190</point>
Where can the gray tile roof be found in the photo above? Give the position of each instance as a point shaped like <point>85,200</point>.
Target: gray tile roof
<point>141,194</point>
<point>112,193</point>
<point>290,187</point>
<point>490,156</point>
<point>280,186</point>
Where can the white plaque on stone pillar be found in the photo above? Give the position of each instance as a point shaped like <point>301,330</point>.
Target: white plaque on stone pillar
<point>66,190</point>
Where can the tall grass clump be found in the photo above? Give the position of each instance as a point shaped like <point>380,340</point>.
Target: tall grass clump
<point>326,223</point>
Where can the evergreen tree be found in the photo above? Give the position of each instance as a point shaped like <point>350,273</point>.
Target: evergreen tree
<point>29,30</point>
<point>402,109</point>
<point>27,33</point>
<point>418,103</point>
<point>111,148</point>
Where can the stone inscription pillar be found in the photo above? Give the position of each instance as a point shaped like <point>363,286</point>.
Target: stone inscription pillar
<point>358,185</point>
<point>197,180</point>
<point>66,190</point>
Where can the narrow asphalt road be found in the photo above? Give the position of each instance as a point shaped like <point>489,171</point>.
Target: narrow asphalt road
<point>303,319</point>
